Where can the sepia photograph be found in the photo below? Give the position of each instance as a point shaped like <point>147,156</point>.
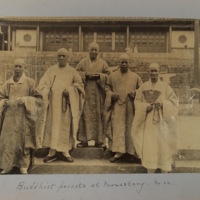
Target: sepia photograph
<point>114,99</point>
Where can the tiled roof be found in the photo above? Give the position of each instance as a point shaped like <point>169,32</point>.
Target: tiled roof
<point>90,19</point>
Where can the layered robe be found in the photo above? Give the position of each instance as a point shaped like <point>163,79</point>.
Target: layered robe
<point>18,122</point>
<point>154,133</point>
<point>91,126</point>
<point>60,124</point>
<point>119,114</point>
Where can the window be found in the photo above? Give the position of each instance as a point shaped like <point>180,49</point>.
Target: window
<point>55,40</point>
<point>149,41</point>
<point>108,42</point>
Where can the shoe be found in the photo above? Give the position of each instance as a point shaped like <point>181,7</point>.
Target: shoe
<point>100,145</point>
<point>82,145</point>
<point>67,159</point>
<point>48,159</point>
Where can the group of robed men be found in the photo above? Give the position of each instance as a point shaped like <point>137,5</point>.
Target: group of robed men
<point>89,102</point>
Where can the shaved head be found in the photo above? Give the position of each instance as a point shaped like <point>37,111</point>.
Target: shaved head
<point>93,45</point>
<point>124,56</point>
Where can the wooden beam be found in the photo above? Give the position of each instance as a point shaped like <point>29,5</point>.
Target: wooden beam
<point>127,35</point>
<point>38,38</point>
<point>9,37</point>
<point>80,47</point>
<point>196,53</point>
<point>170,39</point>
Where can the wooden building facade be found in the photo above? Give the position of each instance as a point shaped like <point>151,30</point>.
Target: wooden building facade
<point>113,34</point>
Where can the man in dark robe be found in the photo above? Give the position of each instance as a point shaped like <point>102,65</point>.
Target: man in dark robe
<point>19,111</point>
<point>93,71</point>
<point>120,93</point>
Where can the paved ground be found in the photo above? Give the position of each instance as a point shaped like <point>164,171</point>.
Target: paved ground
<point>188,134</point>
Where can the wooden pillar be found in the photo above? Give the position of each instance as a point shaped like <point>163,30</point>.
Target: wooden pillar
<point>170,39</point>
<point>38,38</point>
<point>196,53</point>
<point>9,37</point>
<point>127,35</point>
<point>80,47</point>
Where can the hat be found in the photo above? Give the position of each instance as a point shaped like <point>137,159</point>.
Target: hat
<point>62,51</point>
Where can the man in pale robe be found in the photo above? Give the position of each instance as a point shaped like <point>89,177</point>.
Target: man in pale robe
<point>20,105</point>
<point>93,71</point>
<point>121,87</point>
<point>63,94</point>
<point>154,125</point>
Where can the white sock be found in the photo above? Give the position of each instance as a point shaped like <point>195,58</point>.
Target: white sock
<point>52,152</point>
<point>24,170</point>
<point>5,171</point>
<point>66,154</point>
<point>118,155</point>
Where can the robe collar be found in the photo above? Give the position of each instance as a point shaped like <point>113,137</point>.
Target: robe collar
<point>21,80</point>
<point>155,83</point>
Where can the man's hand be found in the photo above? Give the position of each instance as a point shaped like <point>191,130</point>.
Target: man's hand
<point>20,101</point>
<point>158,104</point>
<point>115,97</point>
<point>66,93</point>
<point>131,95</point>
<point>92,75</point>
<point>6,102</point>
<point>149,108</point>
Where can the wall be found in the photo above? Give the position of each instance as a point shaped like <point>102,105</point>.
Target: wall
<point>176,68</point>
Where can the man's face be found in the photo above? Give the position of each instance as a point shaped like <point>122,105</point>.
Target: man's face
<point>93,52</point>
<point>62,60</point>
<point>18,70</point>
<point>154,73</point>
<point>124,65</point>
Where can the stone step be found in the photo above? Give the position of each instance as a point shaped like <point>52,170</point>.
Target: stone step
<point>188,154</point>
<point>84,153</point>
<point>187,166</point>
<point>84,166</point>
<point>103,166</point>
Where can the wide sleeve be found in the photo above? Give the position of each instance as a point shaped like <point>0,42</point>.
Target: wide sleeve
<point>139,82</point>
<point>4,94</point>
<point>45,85</point>
<point>78,83</point>
<point>81,71</point>
<point>170,105</point>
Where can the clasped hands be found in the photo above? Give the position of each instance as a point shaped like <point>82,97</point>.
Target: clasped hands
<point>66,93</point>
<point>157,105</point>
<point>115,97</point>
<point>92,75</point>
<point>19,101</point>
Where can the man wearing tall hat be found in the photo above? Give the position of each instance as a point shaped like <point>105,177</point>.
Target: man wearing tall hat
<point>63,94</point>
<point>93,71</point>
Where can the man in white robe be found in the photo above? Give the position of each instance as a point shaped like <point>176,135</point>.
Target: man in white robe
<point>154,125</point>
<point>63,93</point>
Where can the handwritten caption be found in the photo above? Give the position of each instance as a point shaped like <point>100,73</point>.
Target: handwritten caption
<point>60,187</point>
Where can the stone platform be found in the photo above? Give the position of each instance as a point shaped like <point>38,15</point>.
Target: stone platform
<point>89,160</point>
<point>96,161</point>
